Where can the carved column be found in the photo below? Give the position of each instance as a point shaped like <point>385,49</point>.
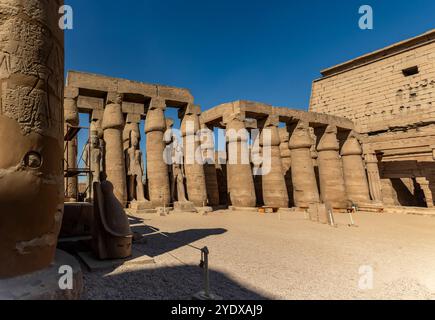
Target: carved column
<point>286,162</point>
<point>193,164</point>
<point>113,125</point>
<point>304,179</point>
<point>425,186</point>
<point>208,154</point>
<point>71,115</point>
<point>31,135</point>
<point>331,179</point>
<point>355,177</point>
<point>157,169</point>
<point>373,176</point>
<point>274,187</point>
<point>240,181</point>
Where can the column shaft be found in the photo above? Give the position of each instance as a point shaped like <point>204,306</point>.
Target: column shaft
<point>157,169</point>
<point>113,125</point>
<point>31,135</point>
<point>71,116</point>
<point>305,189</point>
<point>355,177</point>
<point>193,164</point>
<point>373,176</point>
<point>331,179</point>
<point>286,163</point>
<point>240,180</point>
<point>208,154</point>
<point>274,187</point>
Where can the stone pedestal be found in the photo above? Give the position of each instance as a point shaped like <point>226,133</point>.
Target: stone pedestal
<point>331,179</point>
<point>274,187</point>
<point>355,177</point>
<point>157,169</point>
<point>193,164</point>
<point>77,219</point>
<point>44,284</point>
<point>303,176</point>
<point>184,206</point>
<point>141,205</point>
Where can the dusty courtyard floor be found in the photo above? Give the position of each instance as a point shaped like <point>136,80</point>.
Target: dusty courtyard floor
<point>271,257</point>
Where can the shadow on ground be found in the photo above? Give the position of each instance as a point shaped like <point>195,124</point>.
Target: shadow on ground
<point>158,242</point>
<point>166,283</point>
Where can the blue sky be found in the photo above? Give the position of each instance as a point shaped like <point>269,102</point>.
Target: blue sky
<point>268,51</point>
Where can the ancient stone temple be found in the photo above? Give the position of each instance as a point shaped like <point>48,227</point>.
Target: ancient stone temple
<point>389,95</point>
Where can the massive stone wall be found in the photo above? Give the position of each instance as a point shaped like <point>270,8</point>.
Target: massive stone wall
<point>389,94</point>
<point>374,91</point>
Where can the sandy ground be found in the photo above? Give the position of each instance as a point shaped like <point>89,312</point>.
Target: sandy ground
<point>256,256</point>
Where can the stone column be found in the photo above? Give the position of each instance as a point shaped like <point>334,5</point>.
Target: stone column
<point>355,178</point>
<point>193,164</point>
<point>31,135</point>
<point>425,186</point>
<point>373,176</point>
<point>274,187</point>
<point>157,169</point>
<point>71,116</point>
<point>113,125</point>
<point>240,181</point>
<point>286,160</point>
<point>304,179</point>
<point>331,179</point>
<point>208,154</point>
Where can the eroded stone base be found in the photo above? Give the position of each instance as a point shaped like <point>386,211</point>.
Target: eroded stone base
<point>184,207</point>
<point>44,284</point>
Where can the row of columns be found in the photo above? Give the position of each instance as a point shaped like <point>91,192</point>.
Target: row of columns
<point>116,133</point>
<point>300,174</point>
<point>302,171</point>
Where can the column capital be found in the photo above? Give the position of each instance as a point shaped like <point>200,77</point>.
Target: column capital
<point>328,140</point>
<point>114,98</point>
<point>157,103</point>
<point>300,137</point>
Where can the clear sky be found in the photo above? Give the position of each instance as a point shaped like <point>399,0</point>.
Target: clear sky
<point>224,50</point>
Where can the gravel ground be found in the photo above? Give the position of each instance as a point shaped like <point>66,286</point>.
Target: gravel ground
<point>277,257</point>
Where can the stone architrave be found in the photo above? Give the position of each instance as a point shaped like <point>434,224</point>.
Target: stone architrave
<point>331,179</point>
<point>113,125</point>
<point>31,135</point>
<point>273,180</point>
<point>355,177</point>
<point>157,169</point>
<point>239,174</point>
<point>193,163</point>
<point>305,189</point>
